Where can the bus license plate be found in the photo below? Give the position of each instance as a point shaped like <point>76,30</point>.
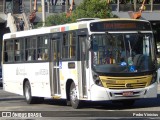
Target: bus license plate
<point>128,93</point>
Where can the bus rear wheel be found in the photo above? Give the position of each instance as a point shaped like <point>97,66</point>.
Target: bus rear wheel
<point>27,93</point>
<point>75,102</point>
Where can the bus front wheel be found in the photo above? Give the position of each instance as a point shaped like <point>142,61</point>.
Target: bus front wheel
<point>75,102</point>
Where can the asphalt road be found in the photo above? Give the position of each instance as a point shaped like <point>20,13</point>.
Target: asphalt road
<point>90,110</point>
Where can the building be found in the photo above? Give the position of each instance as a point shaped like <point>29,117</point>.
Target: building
<point>121,8</point>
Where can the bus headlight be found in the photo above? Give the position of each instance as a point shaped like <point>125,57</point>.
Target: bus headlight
<point>96,79</point>
<point>154,78</point>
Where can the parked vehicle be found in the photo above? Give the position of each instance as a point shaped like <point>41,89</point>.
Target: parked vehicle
<point>1,82</point>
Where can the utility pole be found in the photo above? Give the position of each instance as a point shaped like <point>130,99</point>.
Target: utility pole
<point>30,6</point>
<point>43,12</point>
<point>4,6</point>
<point>117,5</point>
<point>135,5</point>
<point>151,5</point>
<point>66,5</point>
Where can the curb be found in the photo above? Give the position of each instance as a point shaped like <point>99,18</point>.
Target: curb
<point>11,98</point>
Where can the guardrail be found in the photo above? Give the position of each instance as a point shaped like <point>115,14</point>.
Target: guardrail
<point>114,7</point>
<point>54,8</point>
<point>130,7</point>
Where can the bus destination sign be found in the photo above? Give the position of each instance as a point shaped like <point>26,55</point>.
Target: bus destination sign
<point>119,26</point>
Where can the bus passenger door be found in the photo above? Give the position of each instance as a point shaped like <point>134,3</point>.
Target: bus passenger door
<point>55,51</point>
<point>83,57</point>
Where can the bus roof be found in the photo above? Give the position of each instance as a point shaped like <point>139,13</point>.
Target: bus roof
<point>60,28</point>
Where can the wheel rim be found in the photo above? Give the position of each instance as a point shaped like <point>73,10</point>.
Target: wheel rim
<point>73,95</point>
<point>27,92</point>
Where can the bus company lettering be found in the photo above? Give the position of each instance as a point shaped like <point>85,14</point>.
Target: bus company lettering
<point>20,71</point>
<point>22,114</point>
<point>42,72</point>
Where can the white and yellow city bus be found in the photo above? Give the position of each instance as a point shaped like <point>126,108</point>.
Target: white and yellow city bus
<point>94,60</point>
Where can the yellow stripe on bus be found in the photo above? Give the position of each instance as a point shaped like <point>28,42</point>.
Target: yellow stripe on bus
<point>126,82</point>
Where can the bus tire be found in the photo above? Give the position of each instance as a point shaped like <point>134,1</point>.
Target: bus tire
<point>27,93</point>
<point>75,102</point>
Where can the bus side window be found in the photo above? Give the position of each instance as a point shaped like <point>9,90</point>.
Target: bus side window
<point>45,56</point>
<point>17,50</point>
<point>30,50</point>
<point>29,58</point>
<point>5,56</point>
<point>64,47</point>
<point>5,52</point>
<point>42,47</point>
<point>32,55</point>
<point>72,44</point>
<point>69,45</point>
<point>39,57</point>
<point>9,51</point>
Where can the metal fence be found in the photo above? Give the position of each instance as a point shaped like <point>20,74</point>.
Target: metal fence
<point>130,7</point>
<point>54,8</point>
<point>63,8</point>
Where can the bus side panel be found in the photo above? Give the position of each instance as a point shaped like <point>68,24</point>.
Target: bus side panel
<point>73,74</point>
<point>66,74</point>
<point>13,75</point>
<point>36,73</point>
<point>38,76</point>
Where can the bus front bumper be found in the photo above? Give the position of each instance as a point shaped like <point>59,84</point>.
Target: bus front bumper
<point>100,93</point>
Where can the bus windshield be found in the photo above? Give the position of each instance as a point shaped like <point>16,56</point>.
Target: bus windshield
<point>122,52</point>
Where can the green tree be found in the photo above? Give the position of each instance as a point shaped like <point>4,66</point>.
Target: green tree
<point>93,9</point>
<point>87,9</point>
